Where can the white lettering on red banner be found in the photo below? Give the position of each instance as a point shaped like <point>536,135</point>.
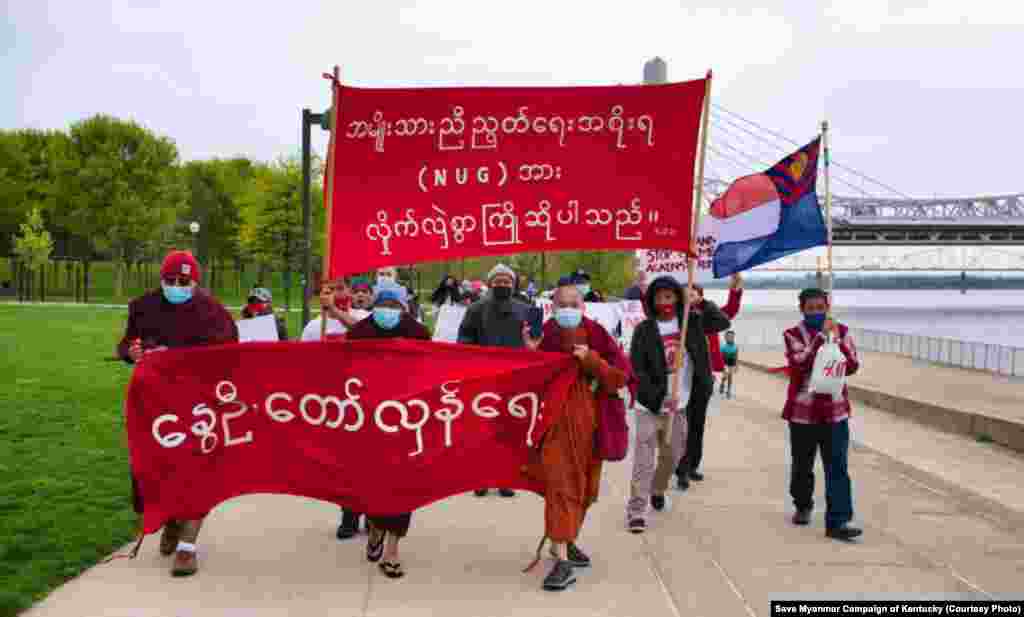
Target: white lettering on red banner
<point>446,173</point>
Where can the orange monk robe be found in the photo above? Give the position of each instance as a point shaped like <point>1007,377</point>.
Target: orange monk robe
<point>568,465</point>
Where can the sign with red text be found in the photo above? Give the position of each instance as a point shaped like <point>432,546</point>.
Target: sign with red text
<point>447,173</point>
<point>382,427</point>
<point>657,263</point>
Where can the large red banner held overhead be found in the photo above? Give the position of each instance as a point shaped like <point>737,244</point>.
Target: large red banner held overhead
<point>447,173</point>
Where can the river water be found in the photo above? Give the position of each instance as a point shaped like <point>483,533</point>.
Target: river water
<point>984,316</point>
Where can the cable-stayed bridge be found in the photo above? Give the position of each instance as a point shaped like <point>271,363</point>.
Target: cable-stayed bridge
<point>949,259</point>
<point>865,211</point>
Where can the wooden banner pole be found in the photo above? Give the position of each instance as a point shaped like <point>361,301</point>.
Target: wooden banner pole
<point>698,193</point>
<point>329,198</point>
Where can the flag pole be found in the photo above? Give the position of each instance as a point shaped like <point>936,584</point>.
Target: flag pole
<point>329,199</point>
<point>828,213</point>
<point>698,193</point>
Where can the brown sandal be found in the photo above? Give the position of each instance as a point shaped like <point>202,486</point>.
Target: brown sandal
<point>392,569</point>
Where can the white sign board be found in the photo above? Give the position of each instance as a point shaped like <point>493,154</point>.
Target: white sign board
<point>608,314</point>
<point>446,329</point>
<point>632,315</point>
<point>449,318</point>
<point>657,263</point>
<point>258,330</point>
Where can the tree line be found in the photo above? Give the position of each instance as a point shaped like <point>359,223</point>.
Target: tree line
<point>109,189</point>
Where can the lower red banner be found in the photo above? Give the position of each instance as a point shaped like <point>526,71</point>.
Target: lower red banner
<point>382,427</point>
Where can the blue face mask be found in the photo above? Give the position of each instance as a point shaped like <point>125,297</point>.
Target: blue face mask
<point>386,318</point>
<point>177,295</point>
<point>584,289</point>
<point>569,318</point>
<point>814,321</point>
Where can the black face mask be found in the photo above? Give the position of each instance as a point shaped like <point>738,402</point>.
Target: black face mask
<point>502,294</point>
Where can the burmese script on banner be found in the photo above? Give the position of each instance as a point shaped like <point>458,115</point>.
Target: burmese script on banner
<point>382,427</point>
<point>448,173</point>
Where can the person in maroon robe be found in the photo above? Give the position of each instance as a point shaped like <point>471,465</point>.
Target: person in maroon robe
<point>391,319</point>
<point>179,314</point>
<point>566,462</point>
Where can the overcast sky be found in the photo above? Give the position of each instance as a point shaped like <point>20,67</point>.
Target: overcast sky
<point>925,96</point>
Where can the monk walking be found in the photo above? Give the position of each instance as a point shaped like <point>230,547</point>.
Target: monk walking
<point>567,464</point>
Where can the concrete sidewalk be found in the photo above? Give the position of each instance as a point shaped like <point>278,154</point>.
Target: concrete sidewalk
<point>964,401</point>
<point>722,549</point>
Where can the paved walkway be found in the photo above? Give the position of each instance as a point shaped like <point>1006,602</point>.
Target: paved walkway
<point>722,549</point>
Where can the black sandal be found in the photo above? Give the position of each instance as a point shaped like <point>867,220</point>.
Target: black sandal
<point>375,550</point>
<point>392,569</point>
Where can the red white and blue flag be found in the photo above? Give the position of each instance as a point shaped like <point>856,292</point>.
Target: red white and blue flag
<point>767,216</point>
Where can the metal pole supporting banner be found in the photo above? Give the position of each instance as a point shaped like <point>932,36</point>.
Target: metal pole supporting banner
<point>307,217</point>
<point>329,197</point>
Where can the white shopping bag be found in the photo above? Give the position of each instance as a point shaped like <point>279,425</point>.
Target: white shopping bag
<point>685,383</point>
<point>829,373</point>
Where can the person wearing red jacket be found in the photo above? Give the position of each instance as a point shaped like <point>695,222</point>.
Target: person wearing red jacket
<point>731,309</point>
<point>179,314</point>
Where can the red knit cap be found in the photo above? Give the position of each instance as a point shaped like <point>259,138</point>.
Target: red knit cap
<point>180,263</point>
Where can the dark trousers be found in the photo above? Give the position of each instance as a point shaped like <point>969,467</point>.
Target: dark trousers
<point>696,415</point>
<point>397,524</point>
<point>834,442</point>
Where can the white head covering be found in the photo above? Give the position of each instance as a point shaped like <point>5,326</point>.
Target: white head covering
<point>501,269</point>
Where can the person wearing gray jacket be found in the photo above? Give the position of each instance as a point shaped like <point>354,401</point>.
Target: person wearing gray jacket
<point>496,320</point>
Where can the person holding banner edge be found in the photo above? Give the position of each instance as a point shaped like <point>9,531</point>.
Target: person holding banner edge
<point>177,315</point>
<point>391,319</point>
<point>496,321</point>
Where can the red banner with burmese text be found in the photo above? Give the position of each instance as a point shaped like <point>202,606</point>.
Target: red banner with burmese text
<point>377,426</point>
<point>447,173</point>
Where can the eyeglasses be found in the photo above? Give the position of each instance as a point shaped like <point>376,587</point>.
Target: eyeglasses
<point>179,281</point>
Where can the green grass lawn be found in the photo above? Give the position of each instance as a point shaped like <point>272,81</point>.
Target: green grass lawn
<point>64,483</point>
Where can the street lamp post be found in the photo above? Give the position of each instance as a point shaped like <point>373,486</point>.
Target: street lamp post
<point>308,119</point>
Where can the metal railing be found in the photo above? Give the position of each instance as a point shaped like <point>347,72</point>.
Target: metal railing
<point>999,359</point>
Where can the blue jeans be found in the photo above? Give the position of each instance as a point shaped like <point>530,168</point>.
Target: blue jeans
<point>834,442</point>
